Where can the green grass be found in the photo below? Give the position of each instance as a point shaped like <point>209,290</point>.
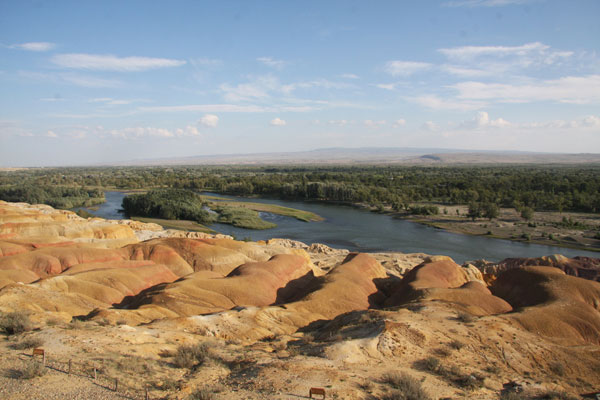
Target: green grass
<point>176,224</point>
<point>240,217</point>
<point>274,209</point>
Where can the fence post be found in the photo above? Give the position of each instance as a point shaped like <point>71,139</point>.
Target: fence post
<point>95,375</point>
<point>146,396</point>
<point>69,366</point>
<point>116,384</point>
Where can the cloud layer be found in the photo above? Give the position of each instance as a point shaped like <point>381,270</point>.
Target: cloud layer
<point>99,62</point>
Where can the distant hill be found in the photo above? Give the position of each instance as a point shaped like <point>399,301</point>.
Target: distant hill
<point>376,155</point>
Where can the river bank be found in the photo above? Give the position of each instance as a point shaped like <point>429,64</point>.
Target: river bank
<point>566,229</point>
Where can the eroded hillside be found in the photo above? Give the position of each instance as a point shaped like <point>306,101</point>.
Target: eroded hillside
<point>273,319</point>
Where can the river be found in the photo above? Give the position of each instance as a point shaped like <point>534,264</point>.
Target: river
<point>359,230</point>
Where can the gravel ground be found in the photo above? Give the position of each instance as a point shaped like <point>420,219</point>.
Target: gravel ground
<point>54,385</point>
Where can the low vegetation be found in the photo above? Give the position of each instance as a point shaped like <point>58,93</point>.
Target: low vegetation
<point>404,387</point>
<point>240,217</point>
<point>191,356</point>
<point>56,196</point>
<point>201,394</point>
<point>14,323</point>
<point>301,215</point>
<point>32,369</point>
<point>28,343</point>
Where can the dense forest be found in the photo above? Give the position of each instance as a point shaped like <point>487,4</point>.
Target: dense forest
<point>541,188</point>
<point>167,204</point>
<point>57,196</point>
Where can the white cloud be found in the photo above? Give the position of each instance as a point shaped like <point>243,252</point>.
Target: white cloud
<point>110,101</point>
<point>107,62</point>
<point>209,120</point>
<point>207,108</point>
<point>437,103</point>
<point>477,61</point>
<point>482,120</point>
<point>399,122</point>
<point>469,52</point>
<point>405,68</point>
<point>317,83</point>
<point>189,130</point>
<point>371,123</point>
<point>339,122</point>
<point>430,126</point>
<point>278,122</point>
<point>149,131</point>
<point>570,89</point>
<point>591,121</point>
<point>349,76</point>
<point>52,99</point>
<point>51,134</point>
<point>34,46</point>
<point>386,86</point>
<point>90,81</point>
<point>465,71</point>
<point>271,62</point>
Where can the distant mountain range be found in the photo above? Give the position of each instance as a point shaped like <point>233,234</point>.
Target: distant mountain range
<point>376,155</point>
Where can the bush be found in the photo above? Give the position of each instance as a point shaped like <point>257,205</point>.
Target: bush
<point>29,343</point>
<point>405,387</point>
<point>424,210</point>
<point>191,356</point>
<point>15,322</point>
<point>557,368</point>
<point>201,394</point>
<point>32,370</point>
<point>431,364</point>
<point>465,317</point>
<point>456,345</point>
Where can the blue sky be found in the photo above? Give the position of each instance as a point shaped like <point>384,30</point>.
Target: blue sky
<point>87,82</point>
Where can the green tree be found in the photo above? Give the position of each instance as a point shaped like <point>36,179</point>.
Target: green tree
<point>491,211</point>
<point>527,213</point>
<point>474,210</point>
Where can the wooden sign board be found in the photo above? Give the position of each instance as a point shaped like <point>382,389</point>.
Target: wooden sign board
<point>319,391</point>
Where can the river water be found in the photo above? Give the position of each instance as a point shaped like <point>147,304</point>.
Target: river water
<point>359,230</point>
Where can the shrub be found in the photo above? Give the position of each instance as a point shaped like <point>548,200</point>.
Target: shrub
<point>32,370</point>
<point>557,368</point>
<point>15,322</point>
<point>469,382</point>
<point>456,345</point>
<point>431,364</point>
<point>201,394</point>
<point>424,210</point>
<point>554,395</point>
<point>514,396</point>
<point>465,317</point>
<point>405,387</point>
<point>29,343</point>
<point>191,356</point>
<point>442,352</point>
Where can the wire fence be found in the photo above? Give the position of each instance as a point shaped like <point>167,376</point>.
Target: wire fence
<point>94,372</point>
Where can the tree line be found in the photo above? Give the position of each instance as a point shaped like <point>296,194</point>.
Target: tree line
<point>64,197</point>
<point>540,188</point>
